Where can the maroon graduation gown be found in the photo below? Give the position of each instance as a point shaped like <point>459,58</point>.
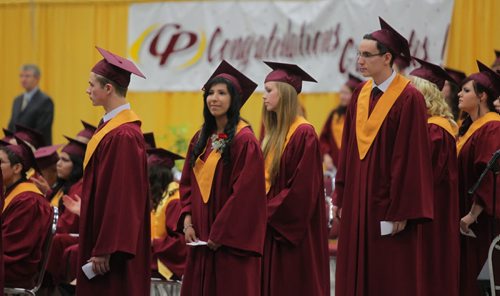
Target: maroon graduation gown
<point>392,183</point>
<point>472,160</point>
<point>440,238</point>
<point>115,215</point>
<point>23,238</point>
<point>68,222</point>
<point>58,267</point>
<point>327,141</point>
<point>171,249</point>
<point>234,217</point>
<point>296,260</point>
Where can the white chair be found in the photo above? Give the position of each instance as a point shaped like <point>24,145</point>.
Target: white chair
<point>162,287</point>
<point>493,264</point>
<point>43,262</point>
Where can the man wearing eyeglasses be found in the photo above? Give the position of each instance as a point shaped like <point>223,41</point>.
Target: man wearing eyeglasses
<point>383,186</point>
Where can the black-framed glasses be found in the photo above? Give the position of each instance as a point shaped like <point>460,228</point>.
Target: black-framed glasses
<point>367,55</point>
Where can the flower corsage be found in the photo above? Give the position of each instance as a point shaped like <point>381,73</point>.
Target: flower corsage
<point>219,142</point>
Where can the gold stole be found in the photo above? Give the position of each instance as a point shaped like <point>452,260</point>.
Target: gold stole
<point>55,200</point>
<point>299,120</point>
<point>337,128</point>
<point>123,117</point>
<point>444,123</point>
<point>367,127</point>
<point>204,171</point>
<point>490,116</point>
<point>20,188</point>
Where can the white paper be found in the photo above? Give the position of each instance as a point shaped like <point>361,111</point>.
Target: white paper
<point>197,243</point>
<point>87,269</point>
<point>386,227</point>
<point>74,235</point>
<point>470,233</point>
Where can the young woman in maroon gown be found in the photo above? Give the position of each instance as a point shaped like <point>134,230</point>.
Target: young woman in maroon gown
<point>440,238</point>
<point>478,140</point>
<point>223,194</point>
<point>296,260</point>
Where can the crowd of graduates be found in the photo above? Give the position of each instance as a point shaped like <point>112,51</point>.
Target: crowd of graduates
<point>248,216</point>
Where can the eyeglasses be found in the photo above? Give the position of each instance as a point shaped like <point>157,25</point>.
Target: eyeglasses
<point>367,55</point>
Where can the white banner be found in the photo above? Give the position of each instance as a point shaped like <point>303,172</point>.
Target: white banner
<point>179,44</point>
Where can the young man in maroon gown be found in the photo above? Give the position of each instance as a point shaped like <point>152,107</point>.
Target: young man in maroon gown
<point>384,174</point>
<point>115,220</point>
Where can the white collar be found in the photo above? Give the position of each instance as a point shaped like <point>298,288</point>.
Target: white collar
<point>108,116</point>
<point>30,93</point>
<point>385,85</point>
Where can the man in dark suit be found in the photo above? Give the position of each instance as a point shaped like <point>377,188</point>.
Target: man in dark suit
<point>33,108</point>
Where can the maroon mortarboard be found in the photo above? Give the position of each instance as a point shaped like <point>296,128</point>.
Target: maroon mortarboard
<point>149,138</point>
<point>86,133</point>
<point>242,84</point>
<point>160,156</point>
<point>74,147</point>
<point>431,72</point>
<point>402,63</point>
<point>25,153</point>
<point>8,135</point>
<point>353,81</point>
<point>392,40</point>
<point>46,156</point>
<point>288,73</point>
<point>458,76</point>
<point>116,68</point>
<point>30,136</point>
<point>497,55</point>
<point>487,78</point>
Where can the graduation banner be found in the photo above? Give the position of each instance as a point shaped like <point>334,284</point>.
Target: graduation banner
<point>177,45</point>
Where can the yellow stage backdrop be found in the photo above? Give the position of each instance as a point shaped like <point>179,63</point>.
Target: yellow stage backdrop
<point>60,36</point>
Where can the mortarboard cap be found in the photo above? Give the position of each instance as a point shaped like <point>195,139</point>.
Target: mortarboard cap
<point>402,63</point>
<point>160,156</point>
<point>46,156</point>
<point>86,133</point>
<point>24,151</point>
<point>75,147</point>
<point>288,73</point>
<point>149,138</point>
<point>487,78</point>
<point>116,68</point>
<point>8,135</point>
<point>392,40</point>
<point>431,72</point>
<point>30,136</point>
<point>243,85</point>
<point>458,76</point>
<point>497,57</point>
<point>353,81</point>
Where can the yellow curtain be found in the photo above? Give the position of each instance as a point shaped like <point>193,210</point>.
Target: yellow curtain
<point>60,36</point>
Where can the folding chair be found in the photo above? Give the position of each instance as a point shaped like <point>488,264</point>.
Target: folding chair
<point>163,287</point>
<point>494,265</point>
<point>43,262</point>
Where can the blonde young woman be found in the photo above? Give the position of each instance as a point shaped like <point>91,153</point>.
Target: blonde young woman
<point>440,238</point>
<point>478,140</point>
<point>296,247</point>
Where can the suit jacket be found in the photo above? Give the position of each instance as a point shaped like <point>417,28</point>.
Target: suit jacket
<point>38,114</point>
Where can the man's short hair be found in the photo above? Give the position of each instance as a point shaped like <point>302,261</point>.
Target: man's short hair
<point>32,67</point>
<point>121,91</point>
<point>381,48</point>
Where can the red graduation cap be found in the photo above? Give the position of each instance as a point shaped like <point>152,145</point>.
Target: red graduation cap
<point>458,76</point>
<point>160,156</point>
<point>288,73</point>
<point>30,136</point>
<point>431,72</point>
<point>86,133</point>
<point>116,68</point>
<point>46,156</point>
<point>75,147</point>
<point>149,138</point>
<point>353,81</point>
<point>8,135</point>
<point>243,85</point>
<point>487,78</point>
<point>402,63</point>
<point>497,55</point>
<point>25,153</point>
<point>392,40</point>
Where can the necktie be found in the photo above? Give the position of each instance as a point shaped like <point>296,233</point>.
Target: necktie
<point>375,92</point>
<point>24,103</point>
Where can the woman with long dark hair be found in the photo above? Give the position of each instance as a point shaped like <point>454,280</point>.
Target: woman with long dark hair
<point>296,260</point>
<point>478,140</point>
<point>222,194</point>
